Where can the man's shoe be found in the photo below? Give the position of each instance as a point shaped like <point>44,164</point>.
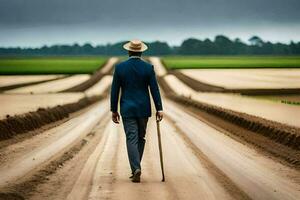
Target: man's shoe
<point>131,175</point>
<point>136,176</point>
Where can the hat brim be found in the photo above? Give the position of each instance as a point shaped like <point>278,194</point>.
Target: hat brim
<point>127,47</point>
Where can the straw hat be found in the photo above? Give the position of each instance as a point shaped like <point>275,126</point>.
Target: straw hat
<point>135,46</point>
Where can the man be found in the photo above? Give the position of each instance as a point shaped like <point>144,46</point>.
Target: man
<point>134,77</point>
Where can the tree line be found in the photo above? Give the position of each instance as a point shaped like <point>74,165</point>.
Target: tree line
<point>221,45</point>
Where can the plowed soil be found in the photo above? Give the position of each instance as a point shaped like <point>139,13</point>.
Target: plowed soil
<point>209,152</point>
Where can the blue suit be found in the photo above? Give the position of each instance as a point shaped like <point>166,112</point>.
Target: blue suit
<point>134,77</point>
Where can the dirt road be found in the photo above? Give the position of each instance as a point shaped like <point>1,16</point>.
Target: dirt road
<point>53,86</point>
<point>200,162</point>
<point>271,110</point>
<point>84,155</point>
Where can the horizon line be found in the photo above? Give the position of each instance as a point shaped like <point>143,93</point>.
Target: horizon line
<point>152,41</point>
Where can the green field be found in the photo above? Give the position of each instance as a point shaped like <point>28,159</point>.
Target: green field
<point>286,99</point>
<point>51,65</point>
<point>194,62</point>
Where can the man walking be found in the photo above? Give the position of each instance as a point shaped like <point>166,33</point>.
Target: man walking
<point>134,77</point>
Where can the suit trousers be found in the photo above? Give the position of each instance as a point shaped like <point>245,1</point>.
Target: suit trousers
<point>135,130</point>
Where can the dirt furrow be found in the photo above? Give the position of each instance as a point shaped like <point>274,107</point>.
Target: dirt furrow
<point>150,186</point>
<point>278,132</point>
<point>70,132</point>
<point>98,75</point>
<point>59,184</point>
<point>36,79</point>
<point>52,86</point>
<point>186,174</point>
<point>258,176</point>
<point>84,185</point>
<point>204,87</point>
<point>201,163</point>
<point>105,173</point>
<point>23,123</point>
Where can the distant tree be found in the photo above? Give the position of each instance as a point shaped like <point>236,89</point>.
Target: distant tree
<point>221,45</point>
<point>115,49</point>
<point>87,48</point>
<point>256,41</point>
<point>295,47</point>
<point>224,45</point>
<point>189,46</point>
<point>158,48</point>
<point>175,50</point>
<point>239,47</point>
<point>267,48</point>
<point>209,47</point>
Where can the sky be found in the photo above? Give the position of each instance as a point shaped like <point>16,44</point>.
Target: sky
<point>33,23</point>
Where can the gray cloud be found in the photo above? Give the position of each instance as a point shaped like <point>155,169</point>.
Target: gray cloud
<point>36,16</point>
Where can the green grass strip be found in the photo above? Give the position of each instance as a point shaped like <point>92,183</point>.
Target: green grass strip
<point>51,65</point>
<point>217,62</point>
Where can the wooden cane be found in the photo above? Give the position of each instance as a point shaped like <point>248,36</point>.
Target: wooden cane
<point>160,151</point>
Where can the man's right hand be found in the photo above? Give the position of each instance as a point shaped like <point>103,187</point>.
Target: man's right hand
<point>159,116</point>
<point>115,117</point>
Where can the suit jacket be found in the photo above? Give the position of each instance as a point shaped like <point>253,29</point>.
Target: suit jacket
<point>134,77</point>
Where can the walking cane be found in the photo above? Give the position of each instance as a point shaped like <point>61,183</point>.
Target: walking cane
<point>160,152</point>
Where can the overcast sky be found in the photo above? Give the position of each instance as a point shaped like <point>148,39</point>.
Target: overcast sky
<point>39,22</point>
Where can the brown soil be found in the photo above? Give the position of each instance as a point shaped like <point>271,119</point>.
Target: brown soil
<point>27,187</point>
<point>285,154</point>
<point>185,174</point>
<point>249,169</point>
<point>280,133</point>
<point>203,87</point>
<point>87,84</point>
<point>18,104</point>
<point>227,183</point>
<point>25,136</point>
<point>61,182</point>
<point>10,196</point>
<point>195,84</point>
<point>19,124</point>
<point>209,153</point>
<point>91,81</point>
<point>100,170</point>
<point>10,87</point>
